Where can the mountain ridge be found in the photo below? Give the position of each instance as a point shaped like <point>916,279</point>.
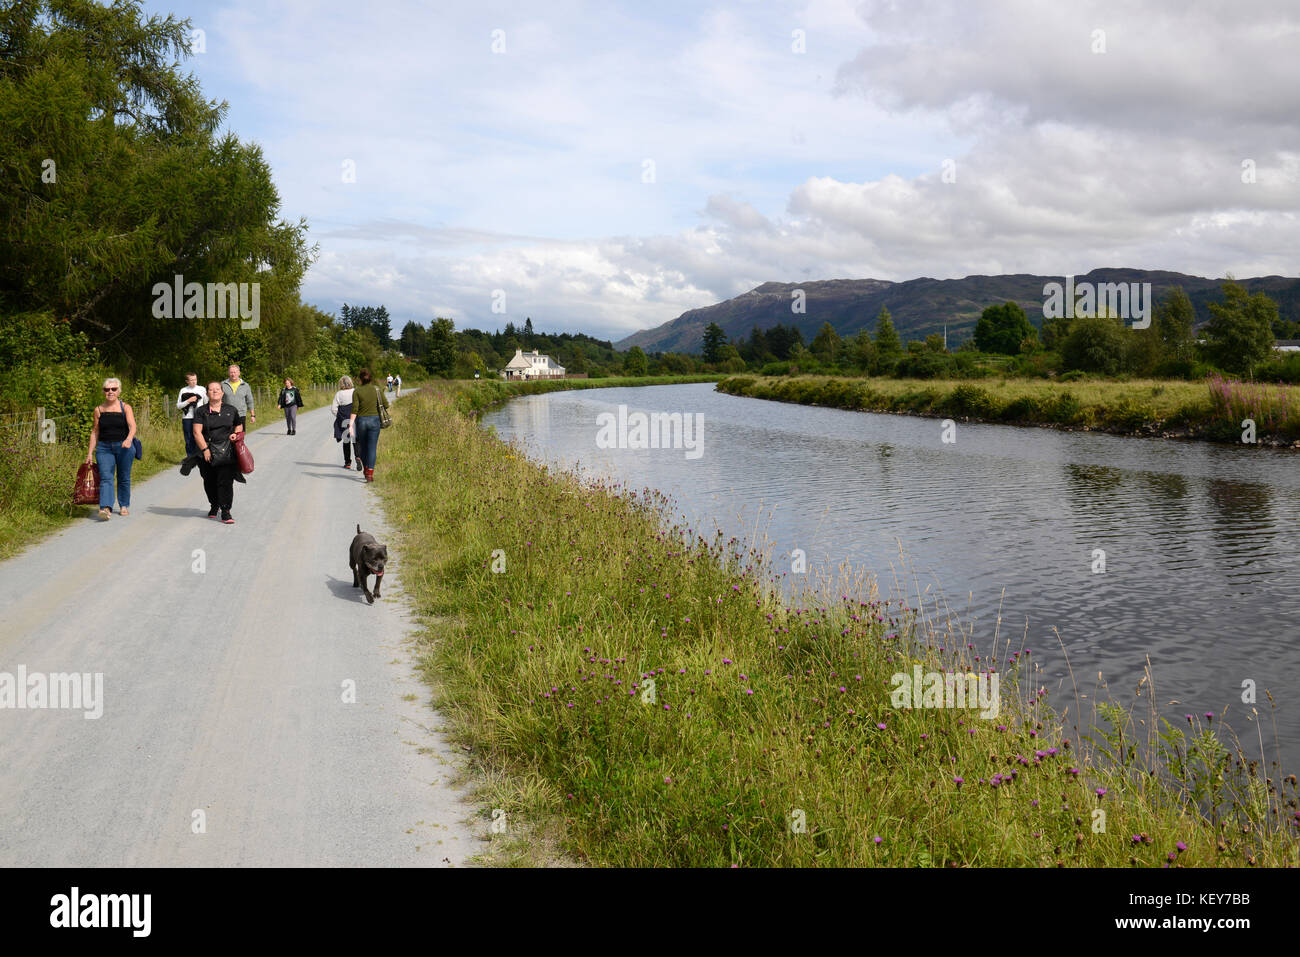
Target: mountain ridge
<point>922,305</point>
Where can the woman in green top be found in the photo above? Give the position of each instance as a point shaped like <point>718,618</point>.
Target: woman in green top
<point>291,402</point>
<point>366,402</point>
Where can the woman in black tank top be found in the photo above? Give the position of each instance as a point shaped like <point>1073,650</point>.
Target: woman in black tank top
<point>112,447</point>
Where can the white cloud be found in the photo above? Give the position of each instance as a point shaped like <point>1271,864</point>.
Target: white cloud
<point>522,171</point>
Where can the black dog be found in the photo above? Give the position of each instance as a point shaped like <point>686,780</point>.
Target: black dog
<point>367,557</point>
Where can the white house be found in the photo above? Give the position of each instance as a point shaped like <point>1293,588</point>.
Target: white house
<point>1286,345</point>
<point>530,365</point>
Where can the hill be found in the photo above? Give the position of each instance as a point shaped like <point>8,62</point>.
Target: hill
<point>920,306</point>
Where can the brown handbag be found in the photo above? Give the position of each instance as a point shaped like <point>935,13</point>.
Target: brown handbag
<point>86,491</point>
<point>243,454</point>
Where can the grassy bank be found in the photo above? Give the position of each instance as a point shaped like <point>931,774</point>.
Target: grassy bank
<point>36,478</point>
<point>1212,410</point>
<point>640,696</point>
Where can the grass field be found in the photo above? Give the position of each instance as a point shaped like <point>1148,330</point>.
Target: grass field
<point>1212,410</point>
<point>635,695</point>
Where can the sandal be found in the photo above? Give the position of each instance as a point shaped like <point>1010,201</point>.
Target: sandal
<point>105,513</point>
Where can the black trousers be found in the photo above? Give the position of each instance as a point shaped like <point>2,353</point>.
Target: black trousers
<point>219,484</point>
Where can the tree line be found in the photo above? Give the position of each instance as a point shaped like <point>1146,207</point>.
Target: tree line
<point>1238,339</point>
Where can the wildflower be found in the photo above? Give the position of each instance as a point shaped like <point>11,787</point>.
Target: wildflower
<point>749,691</point>
<point>880,725</point>
<point>1101,792</point>
<point>1181,847</point>
<point>958,781</point>
<point>878,839</point>
<point>1209,716</point>
<point>843,689</point>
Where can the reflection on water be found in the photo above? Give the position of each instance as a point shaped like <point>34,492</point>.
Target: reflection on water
<point>1201,565</point>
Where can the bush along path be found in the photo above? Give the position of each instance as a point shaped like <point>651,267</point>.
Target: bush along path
<point>638,695</point>
<point>1215,410</point>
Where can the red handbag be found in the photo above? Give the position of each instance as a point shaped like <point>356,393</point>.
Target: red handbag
<point>243,455</point>
<point>86,491</point>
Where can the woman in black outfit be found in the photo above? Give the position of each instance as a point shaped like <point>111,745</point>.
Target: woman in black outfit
<point>214,422</point>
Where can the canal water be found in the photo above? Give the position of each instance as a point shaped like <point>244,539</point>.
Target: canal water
<point>1200,543</point>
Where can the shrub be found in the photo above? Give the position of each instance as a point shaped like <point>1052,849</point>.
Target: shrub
<point>1130,414</point>
<point>1025,408</point>
<point>921,365</point>
<point>1064,408</point>
<point>970,400</point>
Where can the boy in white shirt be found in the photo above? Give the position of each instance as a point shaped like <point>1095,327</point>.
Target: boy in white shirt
<point>187,402</point>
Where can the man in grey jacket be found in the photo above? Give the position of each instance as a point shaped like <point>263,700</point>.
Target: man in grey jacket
<point>239,394</point>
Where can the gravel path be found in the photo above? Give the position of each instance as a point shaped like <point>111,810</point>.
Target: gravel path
<point>224,689</point>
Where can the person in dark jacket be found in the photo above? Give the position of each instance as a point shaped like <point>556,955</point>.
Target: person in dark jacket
<point>291,401</point>
<point>342,409</point>
<point>214,422</point>
<point>367,399</point>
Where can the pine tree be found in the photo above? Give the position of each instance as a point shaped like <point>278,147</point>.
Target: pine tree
<point>714,339</point>
<point>888,345</point>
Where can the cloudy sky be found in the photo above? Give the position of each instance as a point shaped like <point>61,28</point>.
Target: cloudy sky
<point>609,165</point>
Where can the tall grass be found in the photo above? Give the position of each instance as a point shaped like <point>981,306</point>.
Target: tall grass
<point>1274,409</point>
<point>1140,407</point>
<point>641,693</point>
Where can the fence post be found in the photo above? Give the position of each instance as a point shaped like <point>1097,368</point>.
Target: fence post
<point>40,421</point>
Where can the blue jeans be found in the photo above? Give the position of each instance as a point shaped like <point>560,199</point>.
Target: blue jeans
<point>114,461</point>
<point>187,430</point>
<point>367,439</point>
